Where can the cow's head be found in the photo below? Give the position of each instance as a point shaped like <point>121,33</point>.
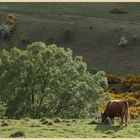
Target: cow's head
<point>103,117</point>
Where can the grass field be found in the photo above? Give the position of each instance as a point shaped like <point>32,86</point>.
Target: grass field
<point>95,31</point>
<point>100,10</point>
<point>69,128</point>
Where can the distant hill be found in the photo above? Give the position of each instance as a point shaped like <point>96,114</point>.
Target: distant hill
<point>92,31</point>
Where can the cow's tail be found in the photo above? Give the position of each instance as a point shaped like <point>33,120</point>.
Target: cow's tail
<point>126,108</point>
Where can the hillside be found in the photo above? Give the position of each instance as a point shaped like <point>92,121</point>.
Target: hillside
<point>95,32</point>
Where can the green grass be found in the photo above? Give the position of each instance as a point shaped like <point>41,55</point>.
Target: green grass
<point>69,128</point>
<point>100,10</point>
<point>98,45</point>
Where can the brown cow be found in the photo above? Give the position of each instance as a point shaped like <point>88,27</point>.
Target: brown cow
<point>116,108</point>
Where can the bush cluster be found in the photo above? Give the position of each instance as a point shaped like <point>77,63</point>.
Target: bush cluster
<point>45,80</point>
<point>131,83</point>
<point>123,41</point>
<point>113,79</point>
<point>114,83</point>
<point>135,37</point>
<point>119,10</point>
<point>10,20</point>
<point>68,35</point>
<point>5,31</point>
<point>7,27</point>
<point>129,87</point>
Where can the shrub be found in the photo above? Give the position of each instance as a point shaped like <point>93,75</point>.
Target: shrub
<point>25,41</point>
<point>134,112</point>
<point>113,79</point>
<point>135,37</point>
<point>68,35</point>
<point>5,31</point>
<point>112,90</point>
<point>135,87</point>
<point>17,134</point>
<point>60,85</point>
<point>90,27</point>
<point>11,16</point>
<point>60,13</point>
<point>10,20</point>
<point>119,10</point>
<point>7,27</point>
<point>123,42</point>
<point>131,83</point>
<point>50,40</point>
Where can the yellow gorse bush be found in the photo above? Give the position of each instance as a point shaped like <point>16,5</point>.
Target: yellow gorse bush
<point>119,10</point>
<point>10,20</point>
<point>126,88</point>
<point>132,82</point>
<point>134,112</point>
<point>112,79</point>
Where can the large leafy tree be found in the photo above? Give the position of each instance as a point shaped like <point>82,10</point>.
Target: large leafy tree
<point>47,80</point>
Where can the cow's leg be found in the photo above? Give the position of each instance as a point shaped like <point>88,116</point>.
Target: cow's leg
<point>122,118</point>
<point>126,115</point>
<point>126,119</point>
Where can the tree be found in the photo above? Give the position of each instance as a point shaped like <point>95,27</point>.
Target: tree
<point>123,42</point>
<point>47,80</point>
